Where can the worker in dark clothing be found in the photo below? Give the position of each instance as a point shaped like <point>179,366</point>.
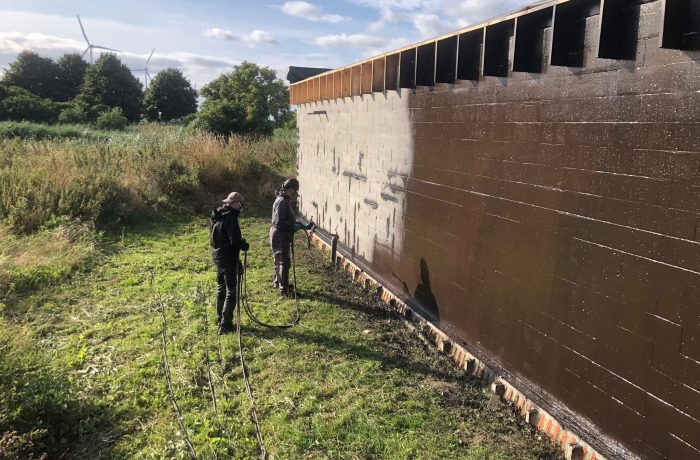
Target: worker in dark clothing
<point>284,224</point>
<point>226,244</point>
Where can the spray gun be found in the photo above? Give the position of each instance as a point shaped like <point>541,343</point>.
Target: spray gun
<point>308,229</point>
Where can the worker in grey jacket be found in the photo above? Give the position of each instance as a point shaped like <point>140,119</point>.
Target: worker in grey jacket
<point>284,224</point>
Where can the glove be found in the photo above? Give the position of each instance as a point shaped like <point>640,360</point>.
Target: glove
<point>297,227</point>
<point>244,245</point>
<point>309,226</point>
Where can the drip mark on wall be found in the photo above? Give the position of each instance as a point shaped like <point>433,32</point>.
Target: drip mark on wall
<point>372,203</point>
<point>354,176</point>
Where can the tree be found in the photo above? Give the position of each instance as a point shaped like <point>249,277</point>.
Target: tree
<point>170,96</point>
<point>256,90</point>
<point>72,70</point>
<point>110,83</point>
<point>221,117</point>
<point>36,74</point>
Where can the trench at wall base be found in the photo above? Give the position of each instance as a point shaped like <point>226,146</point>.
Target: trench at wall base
<point>573,446</point>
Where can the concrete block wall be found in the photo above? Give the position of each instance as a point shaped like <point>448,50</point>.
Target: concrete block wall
<point>354,157</point>
<point>549,223</point>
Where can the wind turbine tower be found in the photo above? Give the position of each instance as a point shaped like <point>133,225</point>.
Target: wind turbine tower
<point>146,75</point>
<point>90,46</point>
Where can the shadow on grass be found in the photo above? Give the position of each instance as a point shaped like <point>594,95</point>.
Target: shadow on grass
<point>44,412</point>
<point>394,355</point>
<point>372,311</point>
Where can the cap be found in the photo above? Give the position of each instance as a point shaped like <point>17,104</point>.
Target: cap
<point>233,197</point>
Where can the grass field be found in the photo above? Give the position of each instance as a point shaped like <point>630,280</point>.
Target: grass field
<point>83,362</point>
<point>87,219</point>
<point>350,381</point>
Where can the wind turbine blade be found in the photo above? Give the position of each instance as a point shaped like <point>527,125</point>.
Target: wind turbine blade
<point>108,49</point>
<point>150,56</point>
<point>137,70</point>
<point>149,75</point>
<point>85,52</point>
<point>83,29</point>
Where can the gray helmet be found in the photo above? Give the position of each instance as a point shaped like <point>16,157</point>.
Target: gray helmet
<point>291,183</point>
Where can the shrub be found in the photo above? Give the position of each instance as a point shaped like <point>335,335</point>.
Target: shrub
<point>21,105</point>
<point>74,114</point>
<point>188,119</point>
<point>112,119</point>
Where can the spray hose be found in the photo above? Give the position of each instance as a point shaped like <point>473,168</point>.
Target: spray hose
<point>246,305</point>
<point>242,299</point>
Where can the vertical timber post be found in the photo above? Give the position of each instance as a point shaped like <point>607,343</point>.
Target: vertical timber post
<point>334,250</point>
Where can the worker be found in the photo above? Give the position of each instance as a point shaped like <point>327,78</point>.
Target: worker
<point>226,244</point>
<point>284,224</point>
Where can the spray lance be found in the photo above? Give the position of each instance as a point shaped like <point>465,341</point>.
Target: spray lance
<point>309,229</point>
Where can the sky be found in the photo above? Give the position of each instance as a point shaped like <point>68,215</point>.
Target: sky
<point>207,38</point>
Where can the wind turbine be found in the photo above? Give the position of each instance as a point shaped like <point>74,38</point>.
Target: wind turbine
<point>146,75</point>
<point>90,46</point>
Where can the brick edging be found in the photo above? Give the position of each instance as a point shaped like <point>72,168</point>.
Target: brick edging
<point>573,446</point>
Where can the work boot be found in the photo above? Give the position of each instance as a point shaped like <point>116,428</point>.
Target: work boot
<point>225,328</point>
<point>289,293</point>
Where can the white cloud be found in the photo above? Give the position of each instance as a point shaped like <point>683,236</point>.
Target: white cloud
<point>256,36</point>
<point>389,45</point>
<point>305,10</point>
<point>469,12</point>
<point>200,68</point>
<point>15,42</point>
<point>435,17</point>
<point>376,26</point>
<point>350,40</point>
<point>430,25</point>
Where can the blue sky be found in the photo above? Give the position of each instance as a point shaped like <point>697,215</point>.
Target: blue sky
<point>205,39</point>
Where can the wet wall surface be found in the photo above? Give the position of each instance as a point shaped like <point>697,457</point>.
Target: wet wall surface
<point>551,220</point>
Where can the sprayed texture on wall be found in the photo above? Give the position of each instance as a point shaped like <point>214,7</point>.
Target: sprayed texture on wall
<point>550,221</point>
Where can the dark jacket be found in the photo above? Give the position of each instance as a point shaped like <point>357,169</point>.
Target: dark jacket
<point>225,235</point>
<point>283,217</point>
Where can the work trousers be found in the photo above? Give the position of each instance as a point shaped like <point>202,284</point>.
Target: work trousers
<point>281,248</point>
<point>226,294</point>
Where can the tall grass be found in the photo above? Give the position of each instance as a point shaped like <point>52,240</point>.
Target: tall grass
<point>43,258</point>
<point>130,176</point>
<point>38,131</point>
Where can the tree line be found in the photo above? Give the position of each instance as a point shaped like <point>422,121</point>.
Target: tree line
<point>248,100</point>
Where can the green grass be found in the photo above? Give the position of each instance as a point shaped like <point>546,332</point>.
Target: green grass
<point>39,131</point>
<point>349,382</point>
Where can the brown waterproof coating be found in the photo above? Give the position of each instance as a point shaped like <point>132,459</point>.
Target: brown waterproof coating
<point>551,221</point>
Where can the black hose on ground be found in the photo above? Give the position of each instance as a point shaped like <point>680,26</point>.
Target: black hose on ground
<point>246,379</point>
